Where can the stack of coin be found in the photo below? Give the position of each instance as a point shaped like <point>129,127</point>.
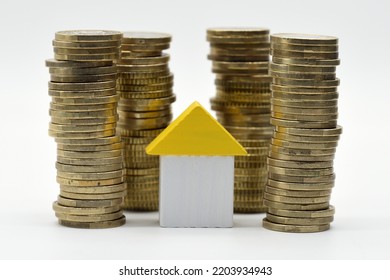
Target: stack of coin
<point>145,88</point>
<point>304,112</point>
<point>240,58</point>
<point>83,122</point>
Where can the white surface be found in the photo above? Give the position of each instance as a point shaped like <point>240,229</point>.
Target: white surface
<point>196,191</point>
<point>28,226</point>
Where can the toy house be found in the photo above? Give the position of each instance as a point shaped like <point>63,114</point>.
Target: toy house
<point>196,171</point>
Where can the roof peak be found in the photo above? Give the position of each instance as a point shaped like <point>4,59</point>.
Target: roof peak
<point>195,132</point>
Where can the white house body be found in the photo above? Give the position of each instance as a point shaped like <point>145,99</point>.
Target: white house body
<point>196,191</point>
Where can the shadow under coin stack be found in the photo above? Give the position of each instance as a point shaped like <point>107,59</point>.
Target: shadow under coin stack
<point>240,59</point>
<point>145,88</point>
<point>304,112</point>
<point>83,122</point>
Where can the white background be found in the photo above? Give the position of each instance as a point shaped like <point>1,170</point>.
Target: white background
<point>28,228</point>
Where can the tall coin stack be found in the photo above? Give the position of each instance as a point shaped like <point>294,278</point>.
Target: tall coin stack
<point>304,112</point>
<point>83,122</point>
<point>240,58</point>
<point>145,88</point>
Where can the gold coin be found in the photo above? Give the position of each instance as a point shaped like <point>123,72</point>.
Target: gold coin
<point>303,39</point>
<point>250,171</point>
<point>142,53</point>
<point>86,101</point>
<point>306,138</point>
<point>239,72</point>
<point>304,104</point>
<point>144,133</point>
<point>89,183</point>
<point>237,31</point>
<point>311,132</point>
<point>261,98</point>
<point>141,165</point>
<point>94,196</point>
<point>83,114</point>
<point>80,122</point>
<point>86,44</point>
<point>145,115</point>
<point>125,68</point>
<point>247,40</point>
<point>296,75</point>
<point>300,172</point>
<point>308,62</point>
<point>91,176</point>
<point>304,55</point>
<point>254,143</point>
<point>294,228</point>
<point>329,212</point>
<point>309,158</point>
<point>145,38</point>
<point>90,155</point>
<point>305,48</point>
<point>83,95</point>
<point>81,128</point>
<point>249,52</point>
<point>238,58</point>
<point>303,90</point>
<point>303,145</point>
<point>146,171</point>
<point>299,221</point>
<point>143,76</point>
<point>145,179</point>
<point>157,94</point>
<point>284,108</point>
<point>53,63</point>
<point>143,48</point>
<point>286,68</point>
<point>289,193</point>
<point>306,82</point>
<point>301,179</point>
<point>141,105</point>
<point>94,190</point>
<point>302,152</point>
<point>82,135</point>
<point>89,149</point>
<point>88,35</point>
<point>89,218</point>
<point>301,117</point>
<point>94,225</point>
<point>299,164</point>
<point>82,86</point>
<point>89,168</point>
<point>164,58</point>
<point>124,79</point>
<point>240,65</point>
<point>91,142</point>
<point>143,88</point>
<point>58,208</point>
<point>68,71</point>
<point>85,51</point>
<point>259,81</point>
<point>303,124</point>
<point>68,202</point>
<point>301,186</point>
<point>290,98</point>
<point>249,165</point>
<point>82,108</point>
<point>258,105</point>
<point>84,57</point>
<point>150,123</point>
<point>299,207</point>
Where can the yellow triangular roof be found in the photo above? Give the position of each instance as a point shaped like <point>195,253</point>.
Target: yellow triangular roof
<point>195,132</point>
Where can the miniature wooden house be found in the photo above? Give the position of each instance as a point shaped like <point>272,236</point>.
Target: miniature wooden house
<point>196,171</point>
